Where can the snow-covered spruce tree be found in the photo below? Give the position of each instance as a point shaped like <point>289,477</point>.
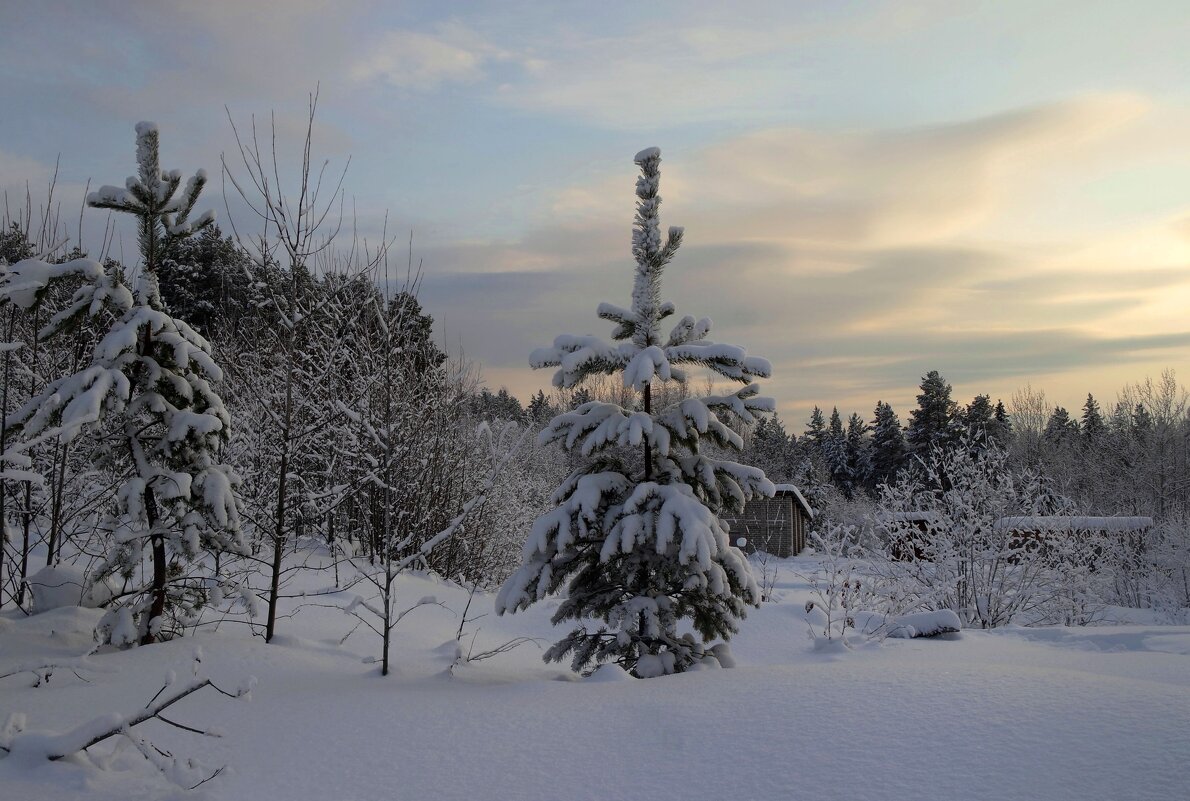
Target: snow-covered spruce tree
<point>147,400</point>
<point>635,535</point>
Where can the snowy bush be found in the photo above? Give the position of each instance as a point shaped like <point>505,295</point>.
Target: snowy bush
<point>944,549</point>
<point>841,585</point>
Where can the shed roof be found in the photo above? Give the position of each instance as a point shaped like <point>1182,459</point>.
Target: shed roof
<point>797,494</point>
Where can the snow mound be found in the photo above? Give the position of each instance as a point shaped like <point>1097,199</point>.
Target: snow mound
<point>925,624</point>
<point>58,586</point>
<point>610,672</point>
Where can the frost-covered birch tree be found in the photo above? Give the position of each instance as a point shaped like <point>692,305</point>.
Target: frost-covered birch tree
<point>635,536</point>
<point>147,402</point>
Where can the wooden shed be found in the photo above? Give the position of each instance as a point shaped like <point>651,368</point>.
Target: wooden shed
<point>776,525</point>
<point>1033,532</point>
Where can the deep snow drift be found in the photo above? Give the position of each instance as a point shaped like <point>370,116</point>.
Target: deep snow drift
<point>1048,713</point>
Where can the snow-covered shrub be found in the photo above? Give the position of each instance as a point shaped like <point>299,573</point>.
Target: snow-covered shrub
<point>839,584</point>
<point>1168,554</point>
<point>944,549</point>
<point>634,535</point>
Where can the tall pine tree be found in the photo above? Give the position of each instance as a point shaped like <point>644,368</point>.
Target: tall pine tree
<point>859,458</point>
<point>815,434</point>
<point>1061,429</point>
<point>934,422</point>
<point>1000,429</point>
<point>635,535</point>
<point>834,451</point>
<point>1093,426</point>
<point>888,444</point>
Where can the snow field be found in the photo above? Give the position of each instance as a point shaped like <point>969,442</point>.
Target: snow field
<point>1097,713</point>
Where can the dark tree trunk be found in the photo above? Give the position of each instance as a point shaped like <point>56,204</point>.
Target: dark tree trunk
<point>647,445</point>
<point>160,573</point>
<point>278,542</point>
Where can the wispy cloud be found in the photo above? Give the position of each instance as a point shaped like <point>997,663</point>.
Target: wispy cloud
<point>412,59</point>
<point>856,260</point>
<point>659,78</point>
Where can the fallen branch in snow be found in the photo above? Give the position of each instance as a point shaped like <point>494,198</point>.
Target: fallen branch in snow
<point>44,670</point>
<point>55,746</point>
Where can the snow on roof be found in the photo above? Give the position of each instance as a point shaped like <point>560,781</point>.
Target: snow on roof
<point>1073,523</point>
<point>801,499</point>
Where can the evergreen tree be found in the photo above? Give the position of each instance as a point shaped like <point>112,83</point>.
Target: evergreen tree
<point>888,444</point>
<point>580,397</point>
<point>834,451</point>
<point>978,417</point>
<point>815,434</point>
<point>1142,423</point>
<point>146,392</point>
<point>500,405</point>
<point>1000,428</point>
<point>635,536</point>
<point>14,245</point>
<point>935,421</point>
<point>772,449</point>
<point>207,280</point>
<point>1093,426</point>
<point>1060,429</point>
<point>859,459</point>
<point>540,409</point>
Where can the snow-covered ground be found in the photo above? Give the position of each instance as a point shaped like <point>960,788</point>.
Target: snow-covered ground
<point>1048,713</point>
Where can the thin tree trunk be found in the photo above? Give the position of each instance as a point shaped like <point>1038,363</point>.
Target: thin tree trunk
<point>282,498</point>
<point>28,510</point>
<point>27,520</point>
<point>388,614</point>
<point>57,492</point>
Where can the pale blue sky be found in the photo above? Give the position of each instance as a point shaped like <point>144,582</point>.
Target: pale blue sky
<point>1000,190</point>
